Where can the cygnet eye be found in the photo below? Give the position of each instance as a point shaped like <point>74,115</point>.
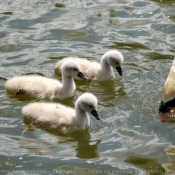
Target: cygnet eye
<point>90,106</point>
<point>116,62</point>
<point>75,69</point>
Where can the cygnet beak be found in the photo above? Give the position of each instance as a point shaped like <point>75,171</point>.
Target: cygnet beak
<point>81,75</point>
<point>95,114</point>
<point>119,70</point>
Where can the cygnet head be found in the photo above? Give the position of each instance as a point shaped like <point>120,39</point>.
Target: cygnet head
<point>115,59</point>
<point>88,103</point>
<point>72,68</point>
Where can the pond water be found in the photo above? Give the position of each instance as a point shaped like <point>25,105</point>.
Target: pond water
<point>130,137</point>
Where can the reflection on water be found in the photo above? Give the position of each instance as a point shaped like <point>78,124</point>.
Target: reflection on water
<point>130,135</point>
<point>81,141</point>
<point>86,148</point>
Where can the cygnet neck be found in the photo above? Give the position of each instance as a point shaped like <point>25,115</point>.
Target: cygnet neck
<point>68,83</point>
<point>105,67</point>
<point>81,115</point>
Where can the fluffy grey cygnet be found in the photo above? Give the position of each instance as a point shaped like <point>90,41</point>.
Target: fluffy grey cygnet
<point>42,87</point>
<point>95,71</point>
<point>57,116</point>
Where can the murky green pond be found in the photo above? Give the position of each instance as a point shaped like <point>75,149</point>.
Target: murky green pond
<point>129,138</point>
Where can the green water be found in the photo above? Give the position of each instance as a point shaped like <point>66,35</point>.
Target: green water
<point>129,138</point>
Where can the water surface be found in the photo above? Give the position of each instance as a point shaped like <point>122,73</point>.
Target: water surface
<point>129,138</point>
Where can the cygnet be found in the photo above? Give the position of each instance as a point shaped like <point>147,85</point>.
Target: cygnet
<point>42,87</point>
<point>60,117</point>
<point>95,71</point>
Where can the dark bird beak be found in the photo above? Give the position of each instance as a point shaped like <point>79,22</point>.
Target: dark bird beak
<point>119,70</point>
<point>81,75</point>
<point>95,114</point>
<point>163,107</point>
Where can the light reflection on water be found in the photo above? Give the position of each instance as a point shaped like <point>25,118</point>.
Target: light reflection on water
<point>130,135</point>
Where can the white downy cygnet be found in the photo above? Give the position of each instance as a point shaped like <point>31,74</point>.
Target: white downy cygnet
<point>168,93</point>
<point>96,71</point>
<point>42,87</point>
<point>60,117</point>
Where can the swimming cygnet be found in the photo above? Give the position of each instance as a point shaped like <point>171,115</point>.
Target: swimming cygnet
<point>57,116</point>
<point>42,87</point>
<point>96,71</point>
<point>168,92</point>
